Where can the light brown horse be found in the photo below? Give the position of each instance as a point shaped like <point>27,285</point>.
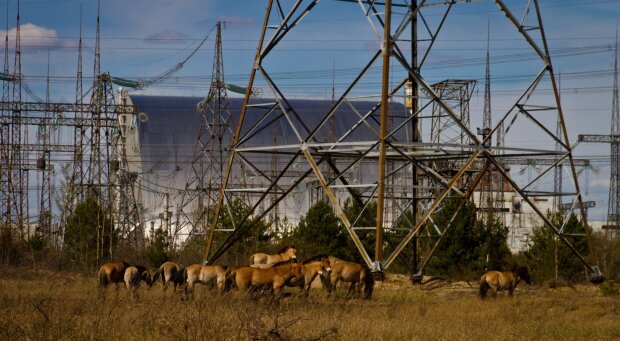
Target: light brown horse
<point>507,280</point>
<point>111,273</point>
<point>284,254</point>
<point>317,265</point>
<point>170,272</point>
<point>133,276</point>
<point>275,277</point>
<point>357,274</point>
<point>213,275</point>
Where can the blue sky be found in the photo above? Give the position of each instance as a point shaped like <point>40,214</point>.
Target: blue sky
<point>141,39</point>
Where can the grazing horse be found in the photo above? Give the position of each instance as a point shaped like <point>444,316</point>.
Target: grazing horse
<point>357,274</point>
<point>275,277</point>
<point>111,273</point>
<point>507,280</point>
<point>169,272</point>
<point>284,254</point>
<point>317,265</point>
<point>134,275</point>
<point>204,274</point>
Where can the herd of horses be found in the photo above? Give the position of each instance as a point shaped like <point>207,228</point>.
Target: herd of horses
<point>266,273</point>
<point>271,273</point>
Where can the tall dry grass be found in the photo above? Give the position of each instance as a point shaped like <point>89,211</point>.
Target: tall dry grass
<point>39,305</point>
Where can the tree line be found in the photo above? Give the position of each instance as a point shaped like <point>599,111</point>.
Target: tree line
<point>470,247</point>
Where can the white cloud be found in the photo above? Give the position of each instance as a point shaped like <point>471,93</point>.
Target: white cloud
<point>33,37</point>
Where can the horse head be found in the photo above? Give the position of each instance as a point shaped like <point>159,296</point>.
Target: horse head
<point>325,266</point>
<point>147,277</point>
<point>291,252</point>
<point>296,270</point>
<point>524,273</point>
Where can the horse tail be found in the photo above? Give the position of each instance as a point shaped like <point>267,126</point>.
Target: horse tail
<point>229,279</point>
<point>183,275</point>
<point>369,283</point>
<point>156,276</point>
<point>103,279</point>
<point>484,286</point>
<point>252,259</point>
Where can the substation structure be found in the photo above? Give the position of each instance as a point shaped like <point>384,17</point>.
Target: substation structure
<point>95,158</point>
<point>414,170</point>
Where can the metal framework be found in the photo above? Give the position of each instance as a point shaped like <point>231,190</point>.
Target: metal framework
<point>95,152</point>
<point>613,139</point>
<point>215,134</point>
<point>377,141</point>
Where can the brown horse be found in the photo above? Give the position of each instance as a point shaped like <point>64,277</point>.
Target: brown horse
<point>275,277</point>
<point>507,280</point>
<point>239,277</point>
<point>214,275</point>
<point>133,276</point>
<point>284,254</point>
<point>111,273</point>
<point>170,272</point>
<point>357,274</point>
<point>317,265</point>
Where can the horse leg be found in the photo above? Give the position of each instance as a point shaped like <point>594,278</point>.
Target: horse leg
<point>494,291</point>
<point>165,288</point>
<point>117,287</point>
<point>351,289</point>
<point>189,290</point>
<point>332,285</point>
<point>101,291</point>
<point>305,288</point>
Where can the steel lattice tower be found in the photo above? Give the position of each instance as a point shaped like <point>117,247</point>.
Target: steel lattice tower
<point>77,174</point>
<point>5,140</point>
<point>19,175</point>
<point>102,168</point>
<point>378,143</point>
<point>613,211</point>
<point>45,200</point>
<point>215,132</point>
<point>486,204</point>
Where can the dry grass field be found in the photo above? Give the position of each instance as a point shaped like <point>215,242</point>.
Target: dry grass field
<point>41,305</point>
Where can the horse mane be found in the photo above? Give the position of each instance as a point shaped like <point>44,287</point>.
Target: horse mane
<point>316,258</point>
<point>284,262</point>
<point>286,248</point>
